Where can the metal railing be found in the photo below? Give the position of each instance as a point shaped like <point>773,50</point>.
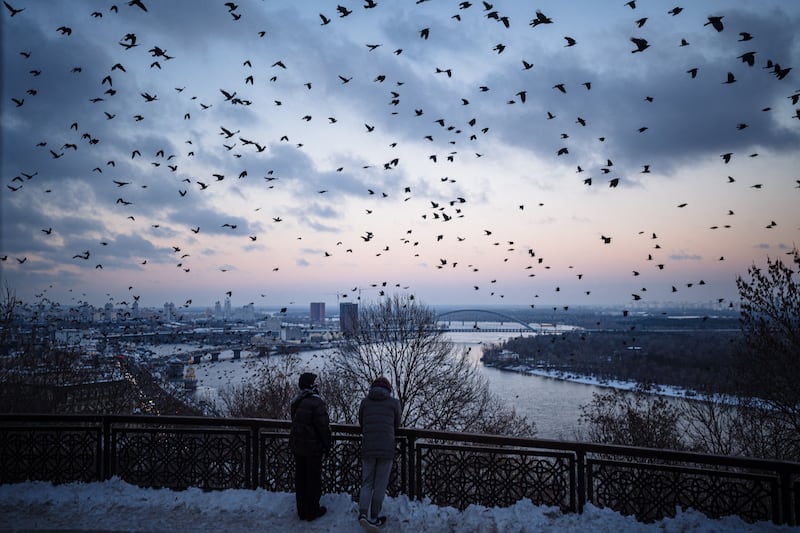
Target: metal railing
<point>451,469</point>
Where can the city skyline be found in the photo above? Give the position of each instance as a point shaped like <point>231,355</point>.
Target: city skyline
<point>286,154</point>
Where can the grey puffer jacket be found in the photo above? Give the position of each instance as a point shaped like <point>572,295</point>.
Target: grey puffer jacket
<point>379,417</point>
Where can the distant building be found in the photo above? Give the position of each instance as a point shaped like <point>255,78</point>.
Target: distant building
<point>169,312</point>
<point>249,312</point>
<point>68,336</point>
<point>293,333</point>
<point>227,312</point>
<point>86,312</point>
<point>317,312</point>
<point>217,310</point>
<point>272,326</point>
<point>348,318</point>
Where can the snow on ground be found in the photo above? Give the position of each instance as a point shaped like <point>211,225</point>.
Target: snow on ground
<point>662,390</point>
<point>118,506</point>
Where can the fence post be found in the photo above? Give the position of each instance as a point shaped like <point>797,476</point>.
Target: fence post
<point>580,466</point>
<point>786,511</point>
<point>411,452</point>
<point>106,447</point>
<point>255,458</point>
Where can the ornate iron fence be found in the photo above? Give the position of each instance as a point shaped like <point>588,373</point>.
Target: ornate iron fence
<point>454,469</point>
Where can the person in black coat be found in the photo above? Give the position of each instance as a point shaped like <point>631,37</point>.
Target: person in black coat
<point>309,441</point>
<point>379,418</point>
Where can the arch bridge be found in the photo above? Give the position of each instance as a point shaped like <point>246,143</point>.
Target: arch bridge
<point>506,318</point>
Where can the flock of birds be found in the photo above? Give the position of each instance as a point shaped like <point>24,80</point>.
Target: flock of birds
<point>447,135</point>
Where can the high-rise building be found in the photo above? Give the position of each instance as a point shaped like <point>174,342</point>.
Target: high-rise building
<point>217,310</point>
<point>169,312</point>
<point>227,313</point>
<point>317,312</point>
<point>348,318</point>
<point>86,312</point>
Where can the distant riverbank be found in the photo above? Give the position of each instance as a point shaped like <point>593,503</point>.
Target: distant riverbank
<point>663,390</point>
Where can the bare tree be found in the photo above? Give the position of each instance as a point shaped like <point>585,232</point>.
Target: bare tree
<point>439,387</point>
<point>633,418</point>
<point>711,423</point>
<point>33,372</point>
<point>769,371</point>
<point>269,394</point>
<point>8,303</point>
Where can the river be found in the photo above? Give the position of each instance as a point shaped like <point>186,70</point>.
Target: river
<point>553,404</point>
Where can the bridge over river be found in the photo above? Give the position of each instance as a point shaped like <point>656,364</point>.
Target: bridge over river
<point>213,354</point>
<point>449,321</point>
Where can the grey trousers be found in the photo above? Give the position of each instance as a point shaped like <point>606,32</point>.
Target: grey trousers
<point>374,480</point>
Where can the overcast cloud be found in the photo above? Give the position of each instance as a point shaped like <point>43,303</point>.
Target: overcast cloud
<point>408,139</point>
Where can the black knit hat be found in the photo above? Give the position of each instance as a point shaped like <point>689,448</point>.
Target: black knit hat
<point>382,382</point>
<point>307,380</point>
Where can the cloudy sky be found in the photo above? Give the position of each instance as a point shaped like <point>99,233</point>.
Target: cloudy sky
<point>465,152</point>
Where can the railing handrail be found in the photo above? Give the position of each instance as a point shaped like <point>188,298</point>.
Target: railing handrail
<point>587,459</point>
<point>418,433</point>
<point>615,449</point>
<point>430,434</point>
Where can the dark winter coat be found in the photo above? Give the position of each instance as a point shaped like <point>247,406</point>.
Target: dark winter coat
<point>379,417</point>
<point>311,432</point>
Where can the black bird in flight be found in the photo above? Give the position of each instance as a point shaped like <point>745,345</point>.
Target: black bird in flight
<point>137,3</point>
<point>129,41</point>
<point>13,10</point>
<point>716,23</point>
<point>749,58</point>
<point>641,44</point>
<point>541,18</point>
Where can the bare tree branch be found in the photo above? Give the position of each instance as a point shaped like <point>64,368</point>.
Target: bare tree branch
<point>439,387</point>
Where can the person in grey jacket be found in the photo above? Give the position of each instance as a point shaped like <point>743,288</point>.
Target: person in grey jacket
<point>378,417</point>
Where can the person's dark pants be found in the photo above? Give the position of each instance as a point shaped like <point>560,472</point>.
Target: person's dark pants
<point>308,485</point>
